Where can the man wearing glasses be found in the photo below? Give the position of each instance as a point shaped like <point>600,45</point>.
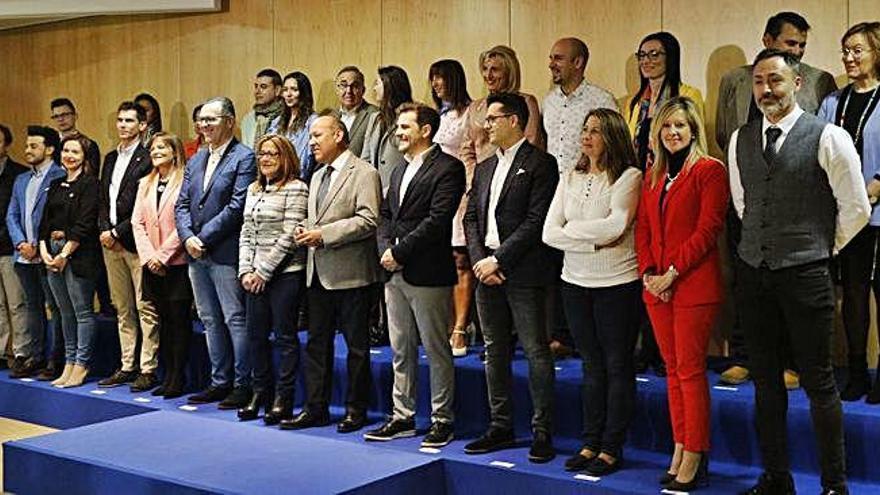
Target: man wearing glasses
<point>356,114</point>
<point>209,214</point>
<point>64,115</point>
<point>785,31</point>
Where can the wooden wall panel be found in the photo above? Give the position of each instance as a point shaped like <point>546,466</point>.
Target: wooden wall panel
<point>322,37</point>
<point>863,10</point>
<point>611,29</point>
<point>415,35</point>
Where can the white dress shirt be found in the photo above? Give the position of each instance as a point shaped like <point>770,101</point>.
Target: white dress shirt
<point>840,160</point>
<point>564,119</point>
<point>505,160</point>
<point>412,168</point>
<point>347,117</point>
<point>123,158</point>
<point>213,160</point>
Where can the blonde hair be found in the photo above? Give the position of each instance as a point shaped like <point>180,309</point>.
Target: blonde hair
<point>699,146</point>
<point>509,62</point>
<point>287,157</point>
<point>178,162</point>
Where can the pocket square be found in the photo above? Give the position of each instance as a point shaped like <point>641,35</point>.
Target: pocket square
<point>521,171</point>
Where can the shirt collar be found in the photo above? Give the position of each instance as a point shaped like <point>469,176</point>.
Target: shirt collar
<point>40,169</point>
<point>420,158</point>
<point>786,123</point>
<point>353,111</point>
<point>220,149</point>
<point>128,150</point>
<point>577,91</point>
<point>511,152</point>
<point>340,160</point>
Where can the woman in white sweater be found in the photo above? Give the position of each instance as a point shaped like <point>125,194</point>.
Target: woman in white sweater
<point>591,221</point>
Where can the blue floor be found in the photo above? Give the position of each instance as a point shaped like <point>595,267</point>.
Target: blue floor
<point>205,450</point>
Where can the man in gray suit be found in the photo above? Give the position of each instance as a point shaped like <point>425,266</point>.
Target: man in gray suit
<point>355,113</point>
<point>785,31</point>
<point>340,230</point>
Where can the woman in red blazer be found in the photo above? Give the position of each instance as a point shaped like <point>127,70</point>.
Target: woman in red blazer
<point>165,279</point>
<point>681,214</point>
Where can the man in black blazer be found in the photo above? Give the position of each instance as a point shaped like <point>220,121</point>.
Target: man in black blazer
<point>13,315</point>
<point>507,204</point>
<point>415,245</point>
<point>123,168</point>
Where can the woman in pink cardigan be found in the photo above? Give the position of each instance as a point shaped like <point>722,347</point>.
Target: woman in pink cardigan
<point>165,279</point>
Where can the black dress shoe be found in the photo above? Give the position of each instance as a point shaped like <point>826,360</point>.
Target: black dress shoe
<point>239,397</point>
<point>772,484</point>
<point>158,391</point>
<point>835,491</point>
<point>50,372</point>
<point>856,385</point>
<point>281,409</point>
<point>494,439</point>
<point>29,367</point>
<point>542,448</point>
<point>144,382</point>
<point>578,462</point>
<point>305,419</point>
<point>252,409</point>
<point>601,467</point>
<point>352,421</point>
<point>700,479</point>
<point>392,429</point>
<point>874,394</point>
<point>118,378</point>
<point>210,394</point>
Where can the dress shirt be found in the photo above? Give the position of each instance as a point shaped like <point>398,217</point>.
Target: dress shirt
<point>839,159</point>
<point>564,119</point>
<point>347,117</point>
<point>213,160</point>
<point>505,160</point>
<point>411,169</point>
<point>30,201</point>
<point>123,158</point>
<point>336,166</point>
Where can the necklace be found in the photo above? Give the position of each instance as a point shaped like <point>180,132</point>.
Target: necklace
<point>162,184</point>
<point>860,128</point>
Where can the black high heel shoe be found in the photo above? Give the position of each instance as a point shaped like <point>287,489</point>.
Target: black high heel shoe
<point>700,479</point>
<point>667,478</point>
<point>281,409</point>
<point>252,409</point>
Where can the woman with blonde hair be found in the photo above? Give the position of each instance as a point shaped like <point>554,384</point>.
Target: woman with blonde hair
<point>681,214</point>
<point>271,268</point>
<point>165,279</point>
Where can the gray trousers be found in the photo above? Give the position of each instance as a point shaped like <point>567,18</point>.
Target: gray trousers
<point>415,312</point>
<point>13,313</point>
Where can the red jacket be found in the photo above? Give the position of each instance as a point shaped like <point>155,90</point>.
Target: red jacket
<point>686,234</point>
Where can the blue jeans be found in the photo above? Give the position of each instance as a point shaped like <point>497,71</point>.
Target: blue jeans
<point>221,307</point>
<point>36,296</point>
<point>73,294</point>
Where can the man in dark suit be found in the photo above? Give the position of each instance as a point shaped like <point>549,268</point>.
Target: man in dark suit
<point>415,244</point>
<point>209,214</point>
<point>123,168</point>
<point>13,316</point>
<point>507,204</point>
<point>344,198</point>
<point>355,112</point>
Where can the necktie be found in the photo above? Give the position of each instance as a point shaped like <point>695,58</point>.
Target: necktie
<point>773,134</point>
<point>324,186</point>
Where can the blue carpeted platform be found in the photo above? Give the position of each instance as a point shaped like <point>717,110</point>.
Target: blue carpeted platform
<point>735,458</point>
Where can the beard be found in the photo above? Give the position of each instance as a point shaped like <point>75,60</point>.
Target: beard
<point>773,105</point>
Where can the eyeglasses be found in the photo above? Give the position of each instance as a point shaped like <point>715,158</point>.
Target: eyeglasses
<point>492,119</point>
<point>211,120</point>
<point>342,87</point>
<point>653,55</point>
<point>856,52</point>
<point>269,154</point>
<point>59,116</point>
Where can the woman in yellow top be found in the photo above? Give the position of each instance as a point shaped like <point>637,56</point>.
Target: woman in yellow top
<point>659,59</point>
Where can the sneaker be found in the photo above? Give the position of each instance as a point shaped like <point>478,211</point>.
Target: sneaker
<point>238,398</point>
<point>210,394</point>
<point>393,428</point>
<point>144,382</point>
<point>492,440</point>
<point>542,448</point>
<point>735,375</point>
<point>119,378</point>
<point>439,435</point>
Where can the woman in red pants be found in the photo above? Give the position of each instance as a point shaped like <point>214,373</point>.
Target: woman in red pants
<point>681,214</point>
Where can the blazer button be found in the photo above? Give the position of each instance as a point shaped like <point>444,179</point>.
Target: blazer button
<point>201,207</point>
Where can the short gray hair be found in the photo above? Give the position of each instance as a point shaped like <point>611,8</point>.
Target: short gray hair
<point>226,105</point>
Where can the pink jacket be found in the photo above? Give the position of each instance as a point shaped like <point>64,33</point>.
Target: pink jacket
<point>155,232</point>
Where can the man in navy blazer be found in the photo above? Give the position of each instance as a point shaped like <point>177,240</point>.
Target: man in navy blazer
<point>209,214</point>
<point>23,222</point>
<point>507,205</point>
<point>415,242</point>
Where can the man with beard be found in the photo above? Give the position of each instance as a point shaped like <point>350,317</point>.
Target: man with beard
<point>796,183</point>
<point>268,106</point>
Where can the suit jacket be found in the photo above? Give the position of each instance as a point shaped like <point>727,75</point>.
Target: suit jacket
<point>155,229</point>
<point>7,179</point>
<point>363,120</point>
<point>419,229</point>
<point>735,96</point>
<point>348,219</point>
<point>214,214</point>
<point>17,215</point>
<point>522,207</point>
<point>73,209</point>
<point>684,233</point>
<point>139,166</point>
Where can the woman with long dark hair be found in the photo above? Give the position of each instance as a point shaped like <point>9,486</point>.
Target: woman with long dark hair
<point>296,119</point>
<point>450,95</point>
<point>391,89</point>
<point>591,221</point>
<point>154,116</point>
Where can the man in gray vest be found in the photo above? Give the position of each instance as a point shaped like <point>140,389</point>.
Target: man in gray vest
<point>796,184</point>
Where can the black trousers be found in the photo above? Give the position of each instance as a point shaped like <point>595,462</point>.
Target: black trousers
<point>276,310</point>
<point>349,311</point>
<point>802,297</point>
<point>172,296</point>
<point>859,265</point>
